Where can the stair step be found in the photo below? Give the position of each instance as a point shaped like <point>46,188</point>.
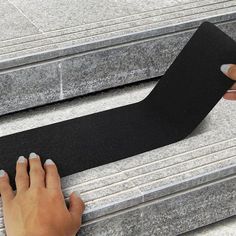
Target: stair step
<point>166,191</point>
<point>55,52</point>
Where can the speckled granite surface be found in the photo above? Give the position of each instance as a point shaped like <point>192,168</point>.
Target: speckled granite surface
<point>225,227</point>
<point>90,46</point>
<point>166,191</point>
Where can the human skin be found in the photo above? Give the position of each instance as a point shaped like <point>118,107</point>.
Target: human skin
<point>230,71</point>
<point>38,208</point>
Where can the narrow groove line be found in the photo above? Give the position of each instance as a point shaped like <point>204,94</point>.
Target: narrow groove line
<point>103,187</point>
<point>188,171</point>
<point>153,172</point>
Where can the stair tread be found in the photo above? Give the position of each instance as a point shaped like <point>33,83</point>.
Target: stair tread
<point>207,155</point>
<point>119,23</point>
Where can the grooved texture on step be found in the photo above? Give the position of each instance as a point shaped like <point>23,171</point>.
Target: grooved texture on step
<point>83,23</point>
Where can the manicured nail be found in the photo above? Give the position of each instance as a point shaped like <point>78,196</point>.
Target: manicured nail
<point>33,155</point>
<point>225,67</point>
<point>77,194</point>
<point>2,173</point>
<point>21,159</point>
<point>49,162</point>
<point>231,91</point>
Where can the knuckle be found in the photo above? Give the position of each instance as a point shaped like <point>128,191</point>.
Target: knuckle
<point>21,177</point>
<point>37,171</point>
<point>4,187</point>
<point>37,192</point>
<point>3,182</point>
<point>20,166</point>
<point>52,171</point>
<point>3,179</point>
<point>53,175</point>
<point>81,205</point>
<point>51,168</point>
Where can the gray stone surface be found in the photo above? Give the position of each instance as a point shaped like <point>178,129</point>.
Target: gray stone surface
<point>32,85</point>
<point>192,209</point>
<point>127,223</point>
<point>225,227</point>
<point>166,191</point>
<point>118,66</point>
<point>130,41</point>
<point>171,215</point>
<point>81,13</point>
<point>120,22</point>
<point>13,23</point>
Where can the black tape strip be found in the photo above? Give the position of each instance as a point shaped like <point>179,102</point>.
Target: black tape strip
<point>184,96</point>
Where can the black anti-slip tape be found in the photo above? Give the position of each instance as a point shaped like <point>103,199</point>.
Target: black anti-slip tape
<point>187,92</point>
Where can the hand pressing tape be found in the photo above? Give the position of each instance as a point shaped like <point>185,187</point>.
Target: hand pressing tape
<point>187,92</point>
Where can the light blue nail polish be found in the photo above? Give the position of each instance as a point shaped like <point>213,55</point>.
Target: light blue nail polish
<point>33,155</point>
<point>77,194</point>
<point>21,159</point>
<point>49,162</point>
<point>2,173</point>
<point>225,67</point>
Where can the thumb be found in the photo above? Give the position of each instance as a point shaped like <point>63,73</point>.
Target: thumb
<point>76,208</point>
<point>229,70</point>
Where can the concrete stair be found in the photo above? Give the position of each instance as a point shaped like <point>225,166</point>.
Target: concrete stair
<point>55,51</point>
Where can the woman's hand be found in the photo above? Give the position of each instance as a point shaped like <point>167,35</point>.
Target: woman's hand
<point>38,208</point>
<point>230,71</point>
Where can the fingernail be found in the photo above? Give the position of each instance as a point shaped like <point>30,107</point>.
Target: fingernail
<point>2,173</point>
<point>231,91</point>
<point>77,194</point>
<point>33,155</point>
<point>224,68</point>
<point>21,159</point>
<point>49,162</point>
